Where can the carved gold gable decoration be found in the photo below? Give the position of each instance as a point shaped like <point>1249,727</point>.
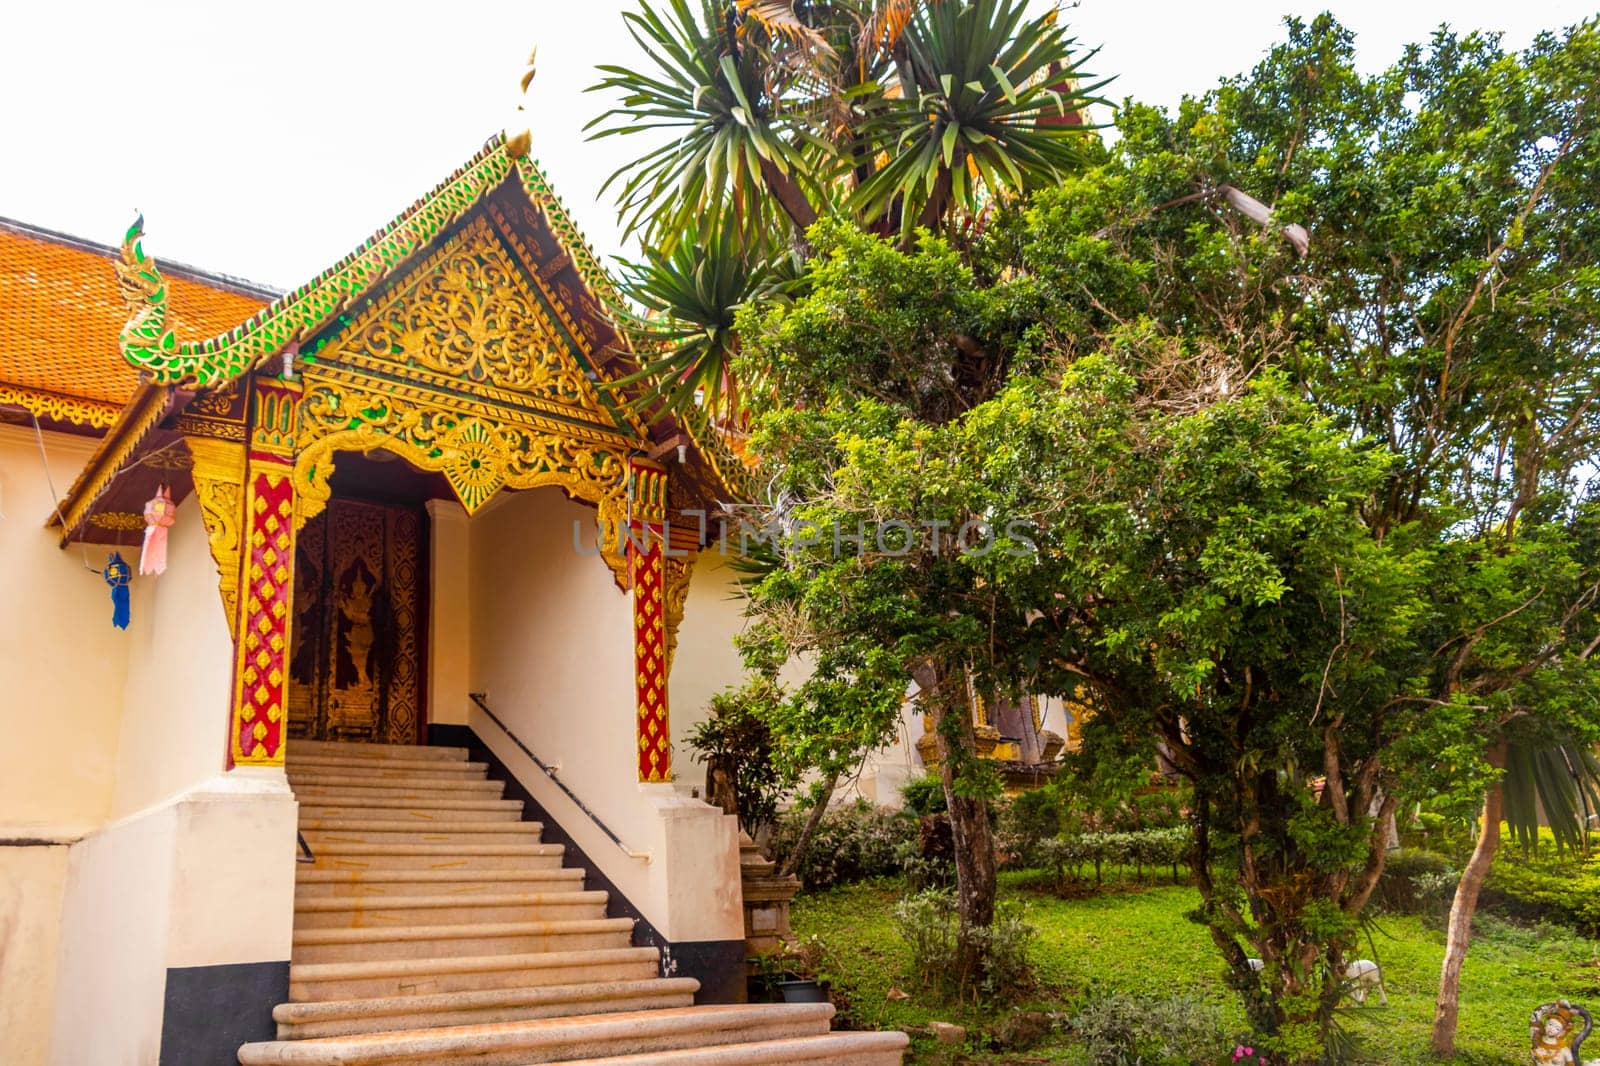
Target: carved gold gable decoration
<point>467,320</point>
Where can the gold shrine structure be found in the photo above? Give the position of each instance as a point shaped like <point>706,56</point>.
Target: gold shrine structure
<point>468,338</point>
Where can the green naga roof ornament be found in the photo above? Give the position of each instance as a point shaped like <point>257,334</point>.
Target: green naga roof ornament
<point>150,346</point>
<point>144,293</point>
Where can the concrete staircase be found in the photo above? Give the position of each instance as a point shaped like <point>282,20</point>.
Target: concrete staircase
<point>435,927</point>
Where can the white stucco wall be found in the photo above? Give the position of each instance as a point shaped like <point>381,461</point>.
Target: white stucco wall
<point>31,884</point>
<point>175,720</point>
<point>63,666</point>
<point>706,661</point>
<point>552,643</point>
<point>552,647</point>
<point>114,746</point>
<point>112,971</point>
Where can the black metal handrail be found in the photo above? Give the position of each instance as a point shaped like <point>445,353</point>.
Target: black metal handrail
<point>308,856</point>
<point>479,699</point>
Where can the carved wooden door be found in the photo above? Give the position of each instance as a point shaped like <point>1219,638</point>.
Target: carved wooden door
<point>355,663</point>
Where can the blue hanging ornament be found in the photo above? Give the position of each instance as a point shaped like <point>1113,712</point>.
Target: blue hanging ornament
<point>117,575</point>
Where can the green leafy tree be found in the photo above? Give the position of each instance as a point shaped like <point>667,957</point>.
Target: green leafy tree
<point>1448,310</point>
<point>764,116</point>
<point>1314,516</point>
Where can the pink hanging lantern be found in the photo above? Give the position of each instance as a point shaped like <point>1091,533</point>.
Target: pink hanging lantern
<point>159,515</point>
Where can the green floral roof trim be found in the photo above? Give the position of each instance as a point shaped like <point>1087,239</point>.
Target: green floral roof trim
<point>149,344</point>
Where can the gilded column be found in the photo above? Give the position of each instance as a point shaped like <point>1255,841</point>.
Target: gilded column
<point>219,469</point>
<point>265,607</point>
<point>647,505</point>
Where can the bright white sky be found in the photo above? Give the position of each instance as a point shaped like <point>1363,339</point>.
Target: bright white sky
<point>268,141</point>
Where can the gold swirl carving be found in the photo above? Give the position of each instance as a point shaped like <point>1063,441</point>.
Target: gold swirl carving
<point>219,486</point>
<point>119,521</point>
<point>675,593</point>
<point>477,456</point>
<point>56,408</point>
<point>468,313</point>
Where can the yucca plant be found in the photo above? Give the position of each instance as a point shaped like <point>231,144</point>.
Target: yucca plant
<point>898,114</point>
<point>684,300</point>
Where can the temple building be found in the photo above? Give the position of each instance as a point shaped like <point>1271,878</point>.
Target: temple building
<point>375,760</point>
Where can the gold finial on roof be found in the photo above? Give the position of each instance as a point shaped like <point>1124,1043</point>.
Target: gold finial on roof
<point>518,143</point>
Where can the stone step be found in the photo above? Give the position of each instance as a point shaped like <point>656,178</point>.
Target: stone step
<point>363,765</point>
<point>303,1021</point>
<point>437,810</point>
<point>313,881</point>
<point>383,831</point>
<point>834,1049</point>
<point>461,938</point>
<point>408,977</point>
<point>352,749</point>
<point>333,912</point>
<point>463,857</point>
<point>404,786</point>
<point>341,792</point>
<point>358,771</point>
<point>554,1039</point>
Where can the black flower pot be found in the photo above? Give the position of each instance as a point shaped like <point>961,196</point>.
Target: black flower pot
<point>802,991</point>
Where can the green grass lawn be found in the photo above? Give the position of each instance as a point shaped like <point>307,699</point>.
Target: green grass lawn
<point>1137,941</point>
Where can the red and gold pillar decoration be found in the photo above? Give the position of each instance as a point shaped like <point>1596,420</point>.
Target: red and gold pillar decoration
<point>647,497</point>
<point>266,580</point>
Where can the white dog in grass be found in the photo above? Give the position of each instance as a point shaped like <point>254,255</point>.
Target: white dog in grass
<point>1360,976</point>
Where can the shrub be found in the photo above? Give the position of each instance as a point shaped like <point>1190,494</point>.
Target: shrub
<point>929,861</point>
<point>928,923</point>
<point>1149,848</point>
<point>854,841</point>
<point>1027,822</point>
<point>1416,882</point>
<point>1571,896</point>
<point>924,795</point>
<point>1123,1030</point>
<point>735,739</point>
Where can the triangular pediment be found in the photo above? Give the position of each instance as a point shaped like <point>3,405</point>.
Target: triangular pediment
<point>474,320</point>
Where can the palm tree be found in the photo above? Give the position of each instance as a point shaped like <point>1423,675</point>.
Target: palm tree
<point>1558,779</point>
<point>898,114</point>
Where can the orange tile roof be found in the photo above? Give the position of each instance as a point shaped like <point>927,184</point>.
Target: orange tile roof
<point>61,313</point>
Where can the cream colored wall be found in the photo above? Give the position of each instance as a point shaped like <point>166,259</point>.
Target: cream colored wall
<point>130,726</point>
<point>175,718</point>
<point>112,972</point>
<point>31,883</point>
<point>63,666</point>
<point>552,646</point>
<point>204,879</point>
<point>706,661</point>
<point>552,643</point>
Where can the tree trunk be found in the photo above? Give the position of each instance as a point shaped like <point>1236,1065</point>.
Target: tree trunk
<point>792,863</point>
<point>1459,933</point>
<point>789,195</point>
<point>970,832</point>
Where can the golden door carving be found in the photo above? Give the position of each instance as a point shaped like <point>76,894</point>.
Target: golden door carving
<point>355,666</point>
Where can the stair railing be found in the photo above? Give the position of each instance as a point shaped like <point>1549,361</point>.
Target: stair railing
<point>480,699</point>
<point>309,856</point>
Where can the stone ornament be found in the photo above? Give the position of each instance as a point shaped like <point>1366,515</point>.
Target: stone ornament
<point>1558,1031</point>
